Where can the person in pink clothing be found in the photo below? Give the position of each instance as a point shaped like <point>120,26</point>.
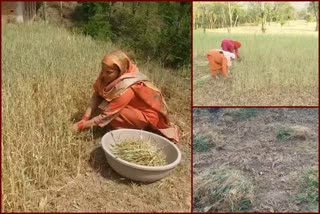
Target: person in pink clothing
<point>231,46</point>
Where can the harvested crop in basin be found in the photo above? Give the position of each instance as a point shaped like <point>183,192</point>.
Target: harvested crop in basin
<point>139,152</point>
<point>222,190</point>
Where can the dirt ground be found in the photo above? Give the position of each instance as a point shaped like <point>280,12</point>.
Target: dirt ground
<point>97,188</point>
<point>100,189</point>
<point>251,145</point>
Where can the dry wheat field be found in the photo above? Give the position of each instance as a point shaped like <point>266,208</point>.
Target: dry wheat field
<point>47,77</point>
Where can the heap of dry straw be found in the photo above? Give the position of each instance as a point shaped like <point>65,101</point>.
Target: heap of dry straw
<point>139,152</point>
<point>222,190</point>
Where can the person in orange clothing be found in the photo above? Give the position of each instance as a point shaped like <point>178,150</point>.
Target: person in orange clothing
<point>126,99</point>
<point>218,63</point>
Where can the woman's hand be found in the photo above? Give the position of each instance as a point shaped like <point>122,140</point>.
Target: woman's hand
<point>75,127</point>
<point>79,126</point>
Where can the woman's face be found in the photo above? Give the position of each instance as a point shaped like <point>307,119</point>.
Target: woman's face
<point>109,73</point>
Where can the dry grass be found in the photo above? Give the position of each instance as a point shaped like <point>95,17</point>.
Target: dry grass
<point>222,190</point>
<point>47,76</point>
<point>277,169</point>
<point>293,132</point>
<point>276,69</point>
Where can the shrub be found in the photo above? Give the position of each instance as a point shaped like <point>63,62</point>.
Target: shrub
<point>284,134</point>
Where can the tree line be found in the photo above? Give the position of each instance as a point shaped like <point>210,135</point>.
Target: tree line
<point>210,15</point>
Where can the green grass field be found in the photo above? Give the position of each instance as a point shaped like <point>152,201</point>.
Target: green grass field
<point>276,69</point>
<point>47,77</point>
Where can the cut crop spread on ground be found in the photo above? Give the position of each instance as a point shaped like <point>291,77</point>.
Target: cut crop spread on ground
<point>267,162</point>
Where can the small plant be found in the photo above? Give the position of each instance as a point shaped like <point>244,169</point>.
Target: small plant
<point>309,189</point>
<point>284,134</point>
<point>200,144</point>
<point>245,113</point>
<point>199,83</point>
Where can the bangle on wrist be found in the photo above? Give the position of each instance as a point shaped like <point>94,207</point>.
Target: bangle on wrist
<point>81,125</point>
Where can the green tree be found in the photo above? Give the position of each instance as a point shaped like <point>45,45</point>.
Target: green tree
<point>284,12</point>
<point>263,16</point>
<point>174,46</point>
<point>94,19</point>
<point>313,8</point>
<point>209,15</point>
<point>159,30</point>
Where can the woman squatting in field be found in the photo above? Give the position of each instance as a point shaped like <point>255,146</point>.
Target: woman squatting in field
<point>126,99</point>
<point>220,61</point>
<point>231,46</point>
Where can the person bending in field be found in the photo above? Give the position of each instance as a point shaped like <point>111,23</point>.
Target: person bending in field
<point>231,46</point>
<point>218,62</point>
<point>126,99</point>
<point>229,56</point>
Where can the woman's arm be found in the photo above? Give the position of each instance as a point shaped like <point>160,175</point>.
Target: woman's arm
<point>94,103</point>
<point>85,121</point>
<point>237,52</point>
<point>114,108</point>
<point>108,114</point>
